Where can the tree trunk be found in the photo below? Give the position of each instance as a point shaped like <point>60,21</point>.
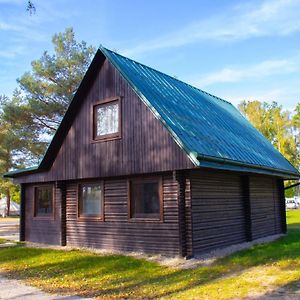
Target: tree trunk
<point>8,202</point>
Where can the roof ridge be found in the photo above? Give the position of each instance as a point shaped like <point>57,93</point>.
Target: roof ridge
<point>181,81</point>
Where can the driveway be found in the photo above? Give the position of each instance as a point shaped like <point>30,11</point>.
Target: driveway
<point>9,228</point>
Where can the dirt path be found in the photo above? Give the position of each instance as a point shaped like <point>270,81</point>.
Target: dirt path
<point>13,289</point>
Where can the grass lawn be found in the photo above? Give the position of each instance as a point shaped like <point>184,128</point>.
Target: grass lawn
<point>271,268</point>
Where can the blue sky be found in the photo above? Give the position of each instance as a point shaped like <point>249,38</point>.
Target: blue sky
<point>234,49</point>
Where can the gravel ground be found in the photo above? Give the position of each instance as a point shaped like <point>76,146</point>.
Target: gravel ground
<point>175,262</point>
<point>11,289</point>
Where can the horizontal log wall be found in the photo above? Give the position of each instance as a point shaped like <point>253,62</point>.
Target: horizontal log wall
<point>116,232</point>
<point>217,210</point>
<point>41,230</point>
<point>265,206</point>
<point>214,215</point>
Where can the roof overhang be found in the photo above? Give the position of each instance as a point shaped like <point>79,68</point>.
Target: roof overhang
<point>230,165</point>
<point>21,172</point>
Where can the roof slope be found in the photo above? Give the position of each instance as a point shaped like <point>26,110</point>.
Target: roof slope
<point>210,130</point>
<point>205,126</point>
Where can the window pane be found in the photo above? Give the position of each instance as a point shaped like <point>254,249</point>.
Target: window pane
<point>43,201</point>
<point>145,199</point>
<point>91,200</point>
<point>107,119</point>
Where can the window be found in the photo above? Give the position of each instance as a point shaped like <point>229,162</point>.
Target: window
<point>145,199</point>
<point>90,200</point>
<point>43,201</point>
<point>107,120</point>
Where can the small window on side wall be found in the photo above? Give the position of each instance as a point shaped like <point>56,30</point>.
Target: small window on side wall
<point>146,199</point>
<point>43,201</point>
<point>107,123</point>
<point>90,200</point>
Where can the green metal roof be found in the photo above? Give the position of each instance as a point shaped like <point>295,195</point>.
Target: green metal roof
<point>210,130</point>
<point>206,127</point>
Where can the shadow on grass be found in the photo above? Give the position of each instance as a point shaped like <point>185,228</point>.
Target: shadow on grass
<point>292,289</point>
<point>88,274</point>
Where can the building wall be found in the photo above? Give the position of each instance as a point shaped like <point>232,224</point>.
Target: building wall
<point>215,215</point>
<point>218,208</point>
<point>39,230</point>
<point>116,231</point>
<point>265,206</point>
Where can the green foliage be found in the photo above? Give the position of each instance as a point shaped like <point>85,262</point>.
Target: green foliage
<point>289,193</point>
<point>29,119</point>
<point>51,84</point>
<point>279,126</point>
<point>15,194</point>
<point>275,124</point>
<point>254,271</point>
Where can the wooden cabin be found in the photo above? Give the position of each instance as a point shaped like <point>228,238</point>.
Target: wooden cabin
<point>144,162</point>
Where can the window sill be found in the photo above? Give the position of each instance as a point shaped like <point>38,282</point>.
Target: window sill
<point>145,220</point>
<point>105,139</point>
<point>93,219</point>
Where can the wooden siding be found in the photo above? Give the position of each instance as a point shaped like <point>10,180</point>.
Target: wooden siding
<point>229,208</point>
<point>217,210</point>
<point>39,230</point>
<point>116,231</point>
<point>146,146</point>
<point>265,206</point>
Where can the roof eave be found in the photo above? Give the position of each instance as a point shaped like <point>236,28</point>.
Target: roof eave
<point>225,164</point>
<point>21,172</point>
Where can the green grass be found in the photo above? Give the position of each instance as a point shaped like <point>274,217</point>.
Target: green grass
<point>271,268</point>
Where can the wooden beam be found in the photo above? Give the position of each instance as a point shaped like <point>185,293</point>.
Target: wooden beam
<point>22,212</point>
<point>247,208</point>
<point>180,177</point>
<point>280,185</point>
<point>63,204</point>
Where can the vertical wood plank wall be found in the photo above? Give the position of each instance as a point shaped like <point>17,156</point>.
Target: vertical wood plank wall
<point>145,146</point>
<point>116,232</point>
<point>40,230</point>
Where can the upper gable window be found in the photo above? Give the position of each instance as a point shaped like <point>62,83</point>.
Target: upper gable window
<point>107,120</point>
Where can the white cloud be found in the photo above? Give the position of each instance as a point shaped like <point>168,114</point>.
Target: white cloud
<point>287,96</point>
<point>256,71</point>
<point>270,18</point>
